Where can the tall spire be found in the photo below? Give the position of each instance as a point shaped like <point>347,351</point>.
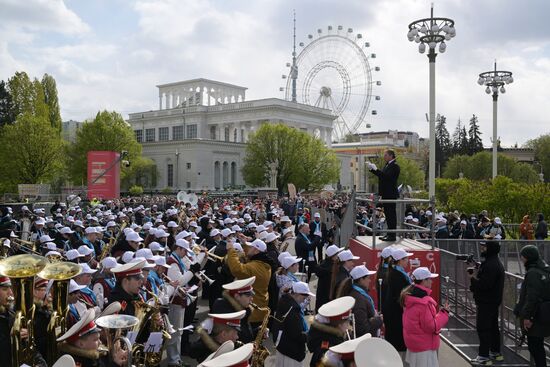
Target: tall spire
<point>294,67</point>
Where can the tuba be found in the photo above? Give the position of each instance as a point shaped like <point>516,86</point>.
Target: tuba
<point>21,269</point>
<point>116,327</point>
<point>60,273</point>
<point>147,316</point>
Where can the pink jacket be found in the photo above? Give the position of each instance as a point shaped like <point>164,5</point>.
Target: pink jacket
<point>421,322</point>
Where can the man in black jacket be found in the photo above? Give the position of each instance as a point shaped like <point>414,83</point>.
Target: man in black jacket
<point>387,188</point>
<point>318,232</point>
<point>290,327</point>
<point>305,249</point>
<point>487,286</point>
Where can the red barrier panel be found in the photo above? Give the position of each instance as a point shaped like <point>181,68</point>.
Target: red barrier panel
<point>106,173</point>
<point>423,255</point>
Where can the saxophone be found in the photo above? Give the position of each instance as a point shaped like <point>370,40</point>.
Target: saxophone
<point>260,352</point>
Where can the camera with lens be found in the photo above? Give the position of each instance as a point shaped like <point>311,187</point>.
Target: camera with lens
<point>469,260</point>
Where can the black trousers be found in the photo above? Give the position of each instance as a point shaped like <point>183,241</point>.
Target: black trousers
<point>391,217</point>
<point>487,329</point>
<point>536,348</point>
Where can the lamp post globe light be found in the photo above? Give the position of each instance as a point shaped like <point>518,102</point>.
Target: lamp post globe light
<point>494,82</point>
<point>429,33</point>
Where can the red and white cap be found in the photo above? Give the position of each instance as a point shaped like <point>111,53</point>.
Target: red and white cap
<point>85,326</point>
<point>127,270</point>
<point>346,350</point>
<point>232,319</point>
<point>236,358</point>
<point>240,286</point>
<point>5,281</point>
<point>338,309</point>
<point>226,347</point>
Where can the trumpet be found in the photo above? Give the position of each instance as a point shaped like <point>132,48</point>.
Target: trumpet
<point>213,257</point>
<point>203,277</point>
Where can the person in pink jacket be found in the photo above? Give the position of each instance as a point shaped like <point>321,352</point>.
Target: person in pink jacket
<point>421,320</point>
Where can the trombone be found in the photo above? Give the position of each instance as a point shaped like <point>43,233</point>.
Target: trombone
<point>23,245</point>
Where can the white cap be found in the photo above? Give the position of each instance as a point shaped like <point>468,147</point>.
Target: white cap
<point>399,254</point>
<point>134,237</point>
<point>237,246</point>
<point>236,228</point>
<point>271,237</point>
<point>52,253</point>
<point>258,244</point>
<point>7,243</point>
<point>268,223</point>
<point>333,250</point>
<point>86,269</point>
<point>497,220</point>
<point>226,232</point>
<point>78,223</point>
<point>110,224</point>
<point>253,225</point>
<point>159,233</point>
<point>423,273</point>
<point>172,224</point>
<point>183,244</point>
<point>85,250</point>
<point>301,288</point>
<point>233,358</point>
<point>109,262</point>
<point>263,235</point>
<point>282,255</point>
<point>415,220</point>
<point>74,286</point>
<point>193,224</point>
<point>463,222</point>
<point>90,230</point>
<point>360,272</point>
<point>147,226</point>
<point>145,253</point>
<point>161,261</point>
<point>260,228</point>
<point>214,232</point>
<point>285,219</point>
<point>45,238</point>
<point>288,261</point>
<point>40,222</point>
<point>428,212</point>
<point>146,265</point>
<point>72,254</point>
<point>386,252</point>
<point>337,309</point>
<point>227,221</point>
<point>155,246</point>
<point>317,215</point>
<point>127,256</point>
<point>50,246</point>
<point>347,255</point>
<point>348,346</point>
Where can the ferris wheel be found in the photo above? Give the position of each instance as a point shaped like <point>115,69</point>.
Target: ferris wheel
<point>332,71</point>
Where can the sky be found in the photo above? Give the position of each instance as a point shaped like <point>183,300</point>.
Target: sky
<point>111,54</point>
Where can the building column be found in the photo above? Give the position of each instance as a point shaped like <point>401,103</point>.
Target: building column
<point>160,101</point>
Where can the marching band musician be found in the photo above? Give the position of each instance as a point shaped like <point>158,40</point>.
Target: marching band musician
<point>285,274</point>
<point>330,327</point>
<point>82,342</point>
<point>129,280</point>
<point>343,354</point>
<point>42,314</point>
<point>258,265</point>
<point>87,295</point>
<point>237,296</point>
<point>347,263</point>
<point>214,331</point>
<point>176,308</point>
<point>324,274</point>
<point>105,281</point>
<point>367,320</point>
<point>290,327</point>
<point>72,299</point>
<point>7,318</point>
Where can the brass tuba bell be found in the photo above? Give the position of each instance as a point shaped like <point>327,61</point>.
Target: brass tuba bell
<point>60,273</point>
<point>115,328</point>
<point>21,270</point>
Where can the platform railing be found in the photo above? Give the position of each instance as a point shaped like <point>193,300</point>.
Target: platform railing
<point>401,204</point>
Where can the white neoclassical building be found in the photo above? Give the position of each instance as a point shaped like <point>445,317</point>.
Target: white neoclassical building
<point>197,136</point>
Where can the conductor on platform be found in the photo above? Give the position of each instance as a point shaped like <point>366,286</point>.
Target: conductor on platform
<point>387,188</point>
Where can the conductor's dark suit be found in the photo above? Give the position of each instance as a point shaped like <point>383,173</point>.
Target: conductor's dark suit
<point>387,189</point>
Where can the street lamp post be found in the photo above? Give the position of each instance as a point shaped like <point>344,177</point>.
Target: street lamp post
<point>431,31</point>
<point>494,82</point>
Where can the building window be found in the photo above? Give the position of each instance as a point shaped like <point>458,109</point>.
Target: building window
<point>242,135</point>
<point>177,132</point>
<point>188,184</point>
<point>139,135</point>
<point>191,131</point>
<point>188,165</point>
<point>226,134</point>
<point>235,135</point>
<point>163,134</point>
<point>213,132</point>
<point>170,175</point>
<point>149,135</point>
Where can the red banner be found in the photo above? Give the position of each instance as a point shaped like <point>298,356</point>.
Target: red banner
<point>103,175</point>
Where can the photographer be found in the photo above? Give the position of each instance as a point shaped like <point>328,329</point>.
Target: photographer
<point>487,286</point>
<point>532,308</point>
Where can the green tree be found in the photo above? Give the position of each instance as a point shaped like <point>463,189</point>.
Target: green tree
<point>351,138</point>
<point>301,159</point>
<point>459,140</point>
<point>107,131</point>
<point>6,105</point>
<point>50,98</point>
<point>442,141</point>
<point>541,146</point>
<point>27,96</point>
<point>475,144</point>
<point>35,152</point>
<point>141,172</point>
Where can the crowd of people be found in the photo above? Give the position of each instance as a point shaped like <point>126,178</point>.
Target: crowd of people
<point>252,263</point>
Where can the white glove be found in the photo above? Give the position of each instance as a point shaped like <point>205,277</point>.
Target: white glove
<point>372,166</point>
